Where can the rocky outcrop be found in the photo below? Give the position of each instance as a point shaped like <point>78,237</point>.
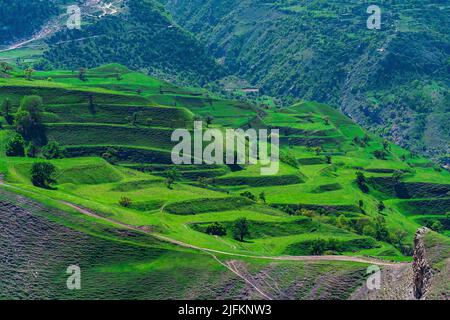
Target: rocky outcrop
<point>426,278</point>
<point>423,272</point>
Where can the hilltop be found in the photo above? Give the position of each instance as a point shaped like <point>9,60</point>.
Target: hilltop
<point>341,193</point>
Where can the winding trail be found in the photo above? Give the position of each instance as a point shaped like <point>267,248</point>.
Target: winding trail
<point>187,245</point>
<point>230,265</point>
<point>207,250</point>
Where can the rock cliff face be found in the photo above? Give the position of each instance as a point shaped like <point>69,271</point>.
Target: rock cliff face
<point>431,265</point>
<point>423,272</point>
<point>426,278</point>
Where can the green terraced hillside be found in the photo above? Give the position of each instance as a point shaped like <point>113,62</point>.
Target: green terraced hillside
<point>339,191</point>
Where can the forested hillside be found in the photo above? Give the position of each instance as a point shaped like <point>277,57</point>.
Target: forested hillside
<point>139,34</point>
<point>21,18</point>
<point>394,80</point>
<point>142,36</point>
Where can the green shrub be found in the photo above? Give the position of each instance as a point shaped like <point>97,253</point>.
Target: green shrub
<point>203,205</point>
<point>42,174</point>
<point>361,182</point>
<point>111,155</point>
<point>15,147</point>
<point>125,202</point>
<point>216,229</point>
<point>249,195</point>
<point>289,159</point>
<point>321,246</point>
<point>31,150</point>
<point>53,151</point>
<point>28,120</point>
<point>437,226</point>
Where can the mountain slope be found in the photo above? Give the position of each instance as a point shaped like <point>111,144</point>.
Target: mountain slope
<point>139,34</point>
<point>142,37</point>
<point>19,19</point>
<point>394,80</point>
<point>115,125</point>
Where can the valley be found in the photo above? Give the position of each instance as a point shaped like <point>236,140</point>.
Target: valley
<point>224,150</point>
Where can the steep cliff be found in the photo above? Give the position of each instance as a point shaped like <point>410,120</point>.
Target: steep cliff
<point>431,265</point>
<point>426,278</point>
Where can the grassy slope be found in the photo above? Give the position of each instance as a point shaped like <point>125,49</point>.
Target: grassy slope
<point>96,184</point>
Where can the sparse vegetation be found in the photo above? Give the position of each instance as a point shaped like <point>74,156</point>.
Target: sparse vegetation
<point>125,202</point>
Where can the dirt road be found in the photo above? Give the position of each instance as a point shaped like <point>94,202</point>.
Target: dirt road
<point>279,258</point>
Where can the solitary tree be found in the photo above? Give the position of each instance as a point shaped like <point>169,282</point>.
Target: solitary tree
<point>118,76</point>
<point>42,174</point>
<point>111,155</point>
<point>398,237</point>
<point>133,120</point>
<point>437,226</point>
<point>262,197</point>
<point>31,104</point>
<point>380,154</point>
<point>82,74</point>
<point>91,105</point>
<point>386,145</point>
<point>381,206</point>
<point>209,119</point>
<point>361,204</point>
<point>171,177</point>
<point>381,232</point>
<point>318,150</point>
<point>29,73</point>
<point>31,150</point>
<point>366,139</point>
<point>241,229</point>
<point>203,181</point>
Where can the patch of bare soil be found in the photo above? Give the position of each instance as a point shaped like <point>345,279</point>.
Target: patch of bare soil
<point>396,284</point>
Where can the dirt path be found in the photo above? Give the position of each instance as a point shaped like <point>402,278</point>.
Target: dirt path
<point>279,258</point>
<point>230,265</point>
<point>187,245</point>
